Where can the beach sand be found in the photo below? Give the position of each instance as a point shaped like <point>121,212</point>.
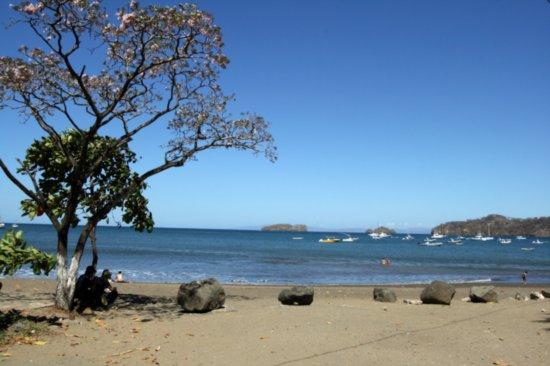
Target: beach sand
<point>343,326</point>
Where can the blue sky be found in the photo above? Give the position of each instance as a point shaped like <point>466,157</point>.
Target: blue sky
<point>406,113</point>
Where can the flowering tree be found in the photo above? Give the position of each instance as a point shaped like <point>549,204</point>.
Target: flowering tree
<point>159,66</point>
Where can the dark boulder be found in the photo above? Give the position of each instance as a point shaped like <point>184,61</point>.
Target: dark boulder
<point>201,296</point>
<point>535,295</point>
<point>438,292</point>
<point>297,295</point>
<point>483,294</point>
<point>544,293</point>
<point>383,295</point>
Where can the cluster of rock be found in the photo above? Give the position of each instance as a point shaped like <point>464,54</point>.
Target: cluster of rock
<point>497,225</point>
<point>381,230</point>
<point>439,292</point>
<point>535,295</point>
<point>207,295</point>
<point>285,227</point>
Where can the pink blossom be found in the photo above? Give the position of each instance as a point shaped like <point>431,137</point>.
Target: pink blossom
<point>32,8</point>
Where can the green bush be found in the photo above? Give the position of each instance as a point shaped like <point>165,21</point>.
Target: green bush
<point>14,253</point>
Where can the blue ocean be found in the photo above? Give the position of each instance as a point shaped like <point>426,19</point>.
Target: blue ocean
<point>254,257</point>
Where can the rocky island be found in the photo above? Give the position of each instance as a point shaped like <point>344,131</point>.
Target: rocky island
<point>285,227</point>
<point>497,225</point>
<point>380,230</point>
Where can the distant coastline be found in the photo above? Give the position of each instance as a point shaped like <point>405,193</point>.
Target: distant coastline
<point>286,227</point>
<point>497,225</point>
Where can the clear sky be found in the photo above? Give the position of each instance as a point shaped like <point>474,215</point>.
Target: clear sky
<point>404,113</point>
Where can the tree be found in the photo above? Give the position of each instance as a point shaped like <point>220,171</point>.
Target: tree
<point>14,254</point>
<point>160,66</point>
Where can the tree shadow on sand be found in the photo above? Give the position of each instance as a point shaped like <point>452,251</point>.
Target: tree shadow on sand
<point>546,320</point>
<point>147,306</point>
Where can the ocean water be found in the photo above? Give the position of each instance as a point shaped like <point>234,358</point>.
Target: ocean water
<point>253,257</point>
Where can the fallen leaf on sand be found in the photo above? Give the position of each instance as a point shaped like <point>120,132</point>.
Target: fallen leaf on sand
<point>190,334</point>
<point>135,330</point>
<point>501,363</point>
<point>75,344</point>
<point>100,322</point>
<point>262,338</point>
<point>146,349</point>
<point>39,343</point>
<point>6,354</point>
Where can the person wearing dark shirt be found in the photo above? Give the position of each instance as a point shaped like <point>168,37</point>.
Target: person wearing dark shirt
<point>85,290</point>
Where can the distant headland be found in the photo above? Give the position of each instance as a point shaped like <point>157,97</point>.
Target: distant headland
<point>285,227</point>
<point>381,230</point>
<point>497,225</point>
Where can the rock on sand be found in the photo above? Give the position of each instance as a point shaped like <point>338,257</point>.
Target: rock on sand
<point>297,295</point>
<point>383,295</point>
<point>483,294</point>
<point>438,292</point>
<point>201,296</point>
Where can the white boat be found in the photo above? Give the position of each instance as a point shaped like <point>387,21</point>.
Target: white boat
<point>528,249</point>
<point>297,238</point>
<point>431,244</point>
<point>408,237</point>
<point>14,225</point>
<point>350,239</point>
<point>537,242</point>
<point>438,236</point>
<point>456,241</point>
<point>2,225</point>
<point>520,237</point>
<point>377,236</point>
<point>504,241</point>
<point>480,237</point>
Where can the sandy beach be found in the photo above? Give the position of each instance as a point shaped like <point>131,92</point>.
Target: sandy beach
<point>342,326</point>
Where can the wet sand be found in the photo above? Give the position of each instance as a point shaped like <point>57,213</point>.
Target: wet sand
<point>342,326</point>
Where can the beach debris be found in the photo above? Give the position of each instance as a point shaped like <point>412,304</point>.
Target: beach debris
<point>201,296</point>
<point>543,310</point>
<point>500,363</point>
<point>521,297</point>
<point>483,294</point>
<point>39,343</point>
<point>545,293</point>
<point>6,354</point>
<point>438,292</point>
<point>412,301</point>
<point>122,353</point>
<point>297,295</point>
<point>466,299</point>
<point>383,294</point>
<point>535,295</point>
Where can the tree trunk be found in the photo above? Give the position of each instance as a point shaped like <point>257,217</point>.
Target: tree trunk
<point>94,247</point>
<point>75,261</point>
<point>66,277</point>
<point>61,298</point>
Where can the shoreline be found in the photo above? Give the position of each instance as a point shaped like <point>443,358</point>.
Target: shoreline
<point>331,285</point>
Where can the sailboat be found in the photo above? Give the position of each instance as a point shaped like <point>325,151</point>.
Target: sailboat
<point>408,237</point>
<point>537,242</point>
<point>437,236</point>
<point>504,241</point>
